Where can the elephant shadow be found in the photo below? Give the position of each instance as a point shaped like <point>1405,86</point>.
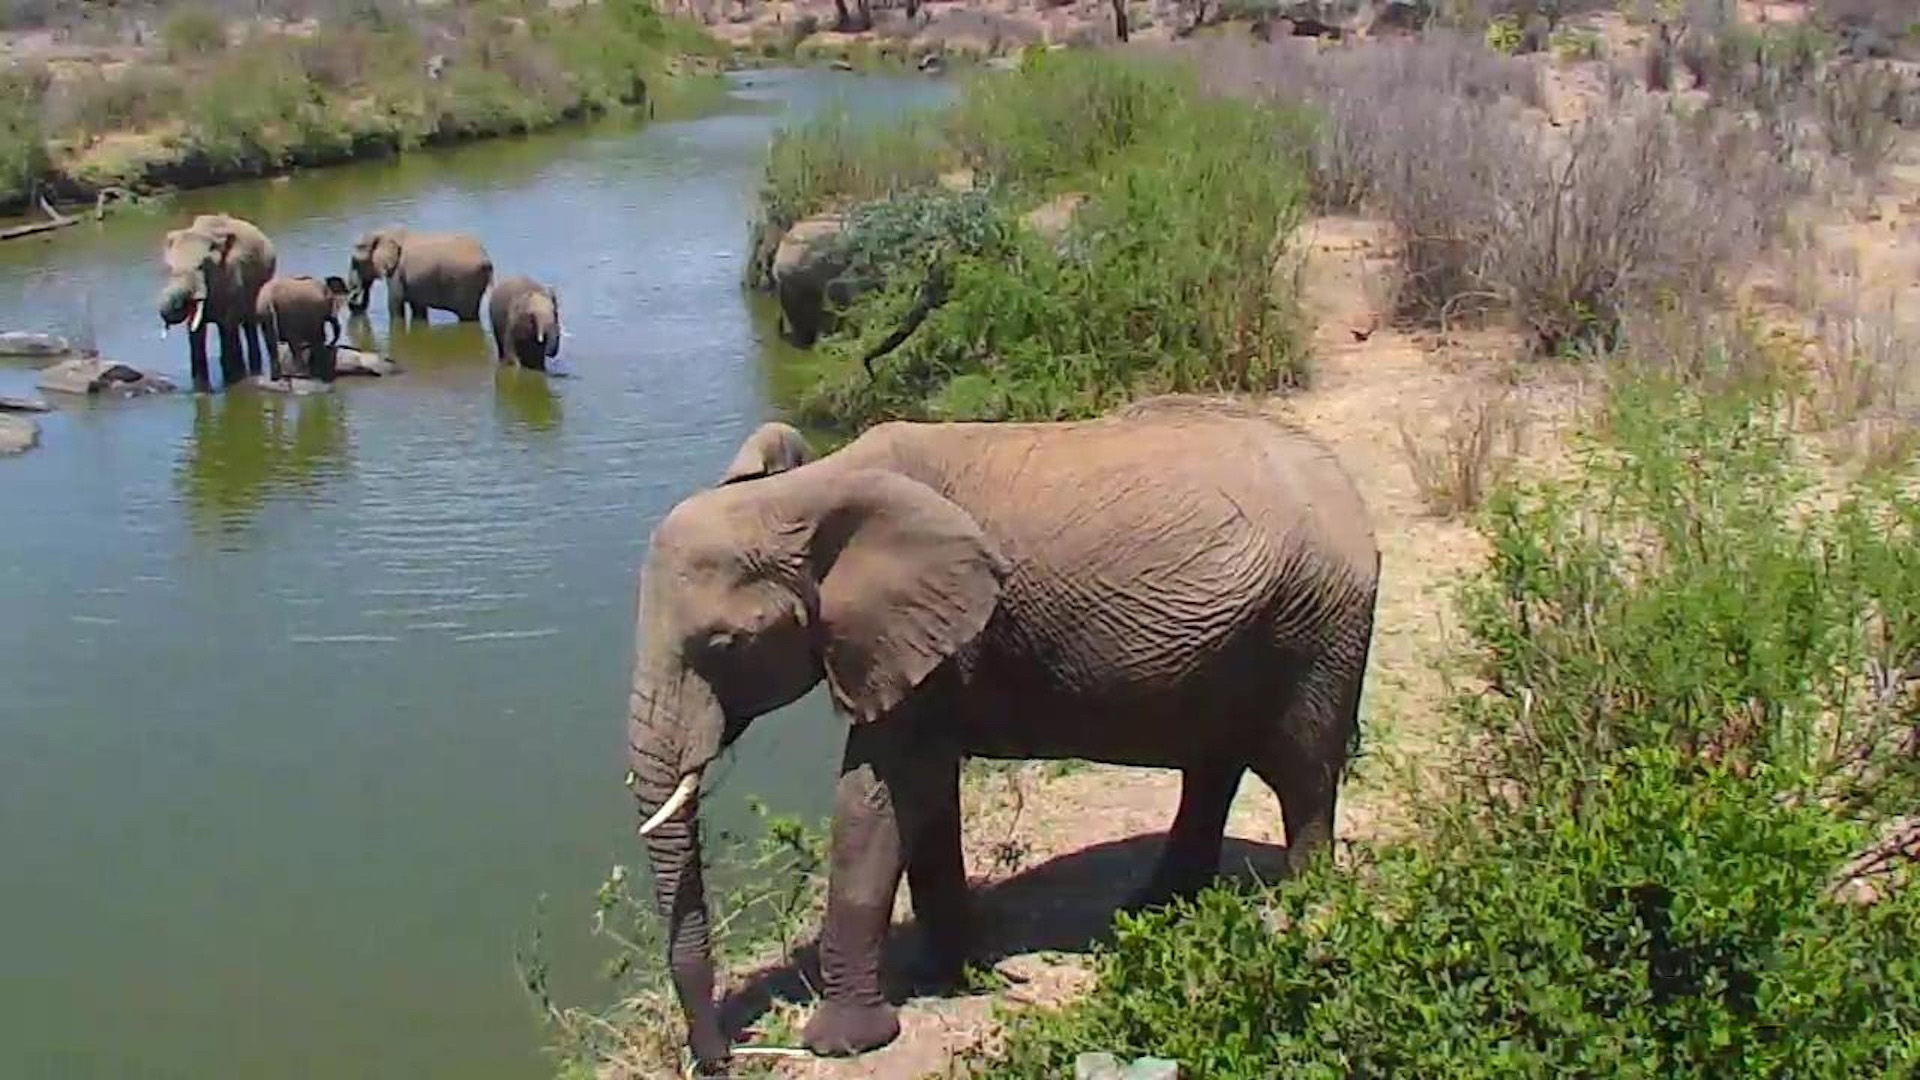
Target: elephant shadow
<point>1065,904</point>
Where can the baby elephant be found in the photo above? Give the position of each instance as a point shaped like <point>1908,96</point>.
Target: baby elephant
<point>303,312</point>
<point>526,322</point>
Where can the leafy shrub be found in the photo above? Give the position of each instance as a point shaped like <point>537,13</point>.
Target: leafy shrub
<point>193,32</point>
<point>92,103</point>
<point>1059,117</point>
<point>1674,926</point>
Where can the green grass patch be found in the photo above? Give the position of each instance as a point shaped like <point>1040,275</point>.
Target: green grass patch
<point>1163,281</point>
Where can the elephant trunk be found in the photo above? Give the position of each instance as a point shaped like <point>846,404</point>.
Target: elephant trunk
<point>359,288</point>
<point>550,340</point>
<point>184,300</point>
<point>674,729</point>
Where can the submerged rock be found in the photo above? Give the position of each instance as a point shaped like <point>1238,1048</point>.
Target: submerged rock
<point>294,387</point>
<point>21,404</point>
<point>23,343</point>
<point>92,375</point>
<point>355,362</point>
<point>18,434</point>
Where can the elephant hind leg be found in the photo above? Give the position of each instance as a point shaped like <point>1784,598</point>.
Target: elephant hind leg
<point>1304,760</point>
<point>937,882</point>
<point>1191,855</point>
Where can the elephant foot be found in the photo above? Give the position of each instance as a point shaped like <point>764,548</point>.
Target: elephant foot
<point>839,1029</point>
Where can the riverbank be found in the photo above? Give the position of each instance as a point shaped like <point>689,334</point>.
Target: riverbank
<point>1621,392</point>
<point>199,100</point>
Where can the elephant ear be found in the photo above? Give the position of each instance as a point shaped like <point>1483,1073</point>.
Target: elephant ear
<point>773,447</point>
<point>386,252</point>
<point>910,579</point>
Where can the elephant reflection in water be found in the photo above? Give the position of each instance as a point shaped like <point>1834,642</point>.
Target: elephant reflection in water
<point>247,447</point>
<point>526,399</point>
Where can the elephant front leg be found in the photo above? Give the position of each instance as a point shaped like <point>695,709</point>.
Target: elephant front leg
<point>256,359</point>
<point>233,365</point>
<point>197,361</point>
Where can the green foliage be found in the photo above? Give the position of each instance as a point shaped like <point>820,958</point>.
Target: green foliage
<point>1504,34</point>
<point>1164,280</point>
<point>773,881</point>
<point>1674,926</point>
<point>23,144</point>
<point>1687,591</point>
<point>193,32</point>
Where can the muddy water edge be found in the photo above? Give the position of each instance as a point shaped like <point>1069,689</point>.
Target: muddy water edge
<point>305,704</point>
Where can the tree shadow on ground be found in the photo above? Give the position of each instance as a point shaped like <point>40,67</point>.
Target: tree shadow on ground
<point>1065,904</point>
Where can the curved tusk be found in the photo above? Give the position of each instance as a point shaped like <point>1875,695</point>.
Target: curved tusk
<point>199,316</point>
<point>689,784</point>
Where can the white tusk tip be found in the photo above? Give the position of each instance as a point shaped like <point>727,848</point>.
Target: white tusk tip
<point>689,784</point>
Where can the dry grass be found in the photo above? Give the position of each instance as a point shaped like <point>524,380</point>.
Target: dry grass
<point>1456,467</point>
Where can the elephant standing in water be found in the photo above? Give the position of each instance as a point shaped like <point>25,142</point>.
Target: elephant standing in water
<point>216,267</point>
<point>525,316</point>
<point>304,313</point>
<point>1184,584</point>
<point>424,272</point>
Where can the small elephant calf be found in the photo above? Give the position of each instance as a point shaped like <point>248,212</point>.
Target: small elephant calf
<point>525,316</point>
<point>303,312</point>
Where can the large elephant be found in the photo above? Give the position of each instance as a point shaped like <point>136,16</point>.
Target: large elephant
<point>1185,584</point>
<point>424,271</point>
<point>216,267</point>
<point>526,322</point>
<point>304,313</point>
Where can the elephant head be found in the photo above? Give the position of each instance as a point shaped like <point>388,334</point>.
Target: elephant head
<point>535,322</point>
<point>376,255</point>
<point>193,257</point>
<point>751,593</point>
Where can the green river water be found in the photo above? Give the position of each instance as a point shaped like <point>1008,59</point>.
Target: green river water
<point>304,704</point>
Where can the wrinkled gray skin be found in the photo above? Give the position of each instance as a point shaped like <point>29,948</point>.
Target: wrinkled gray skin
<point>216,267</point>
<point>525,316</point>
<point>424,272</point>
<point>1184,584</point>
<point>303,312</point>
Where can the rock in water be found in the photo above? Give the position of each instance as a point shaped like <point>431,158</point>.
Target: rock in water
<point>22,404</point>
<point>294,387</point>
<point>92,375</point>
<point>354,362</point>
<point>22,343</point>
<point>18,435</point>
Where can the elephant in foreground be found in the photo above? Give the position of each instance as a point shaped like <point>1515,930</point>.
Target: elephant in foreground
<point>216,267</point>
<point>304,313</point>
<point>424,271</point>
<point>1185,583</point>
<point>525,316</point>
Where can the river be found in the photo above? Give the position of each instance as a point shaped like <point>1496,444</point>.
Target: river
<point>305,704</point>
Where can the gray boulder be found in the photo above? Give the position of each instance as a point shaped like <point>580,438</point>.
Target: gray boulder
<point>21,404</point>
<point>18,434</point>
<point>89,375</point>
<point>22,343</point>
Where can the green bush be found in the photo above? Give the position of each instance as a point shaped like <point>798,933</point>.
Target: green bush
<point>193,32</point>
<point>1675,926</point>
<point>1062,115</point>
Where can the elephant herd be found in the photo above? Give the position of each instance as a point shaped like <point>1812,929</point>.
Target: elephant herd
<point>222,271</point>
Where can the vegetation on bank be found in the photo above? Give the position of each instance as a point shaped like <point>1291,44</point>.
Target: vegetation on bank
<point>1181,206</point>
<point>369,80</point>
<point>1691,708</point>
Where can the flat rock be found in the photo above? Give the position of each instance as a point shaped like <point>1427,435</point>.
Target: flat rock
<point>18,434</point>
<point>91,375</point>
<point>23,404</point>
<point>23,343</point>
<point>294,387</point>
<point>355,362</point>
